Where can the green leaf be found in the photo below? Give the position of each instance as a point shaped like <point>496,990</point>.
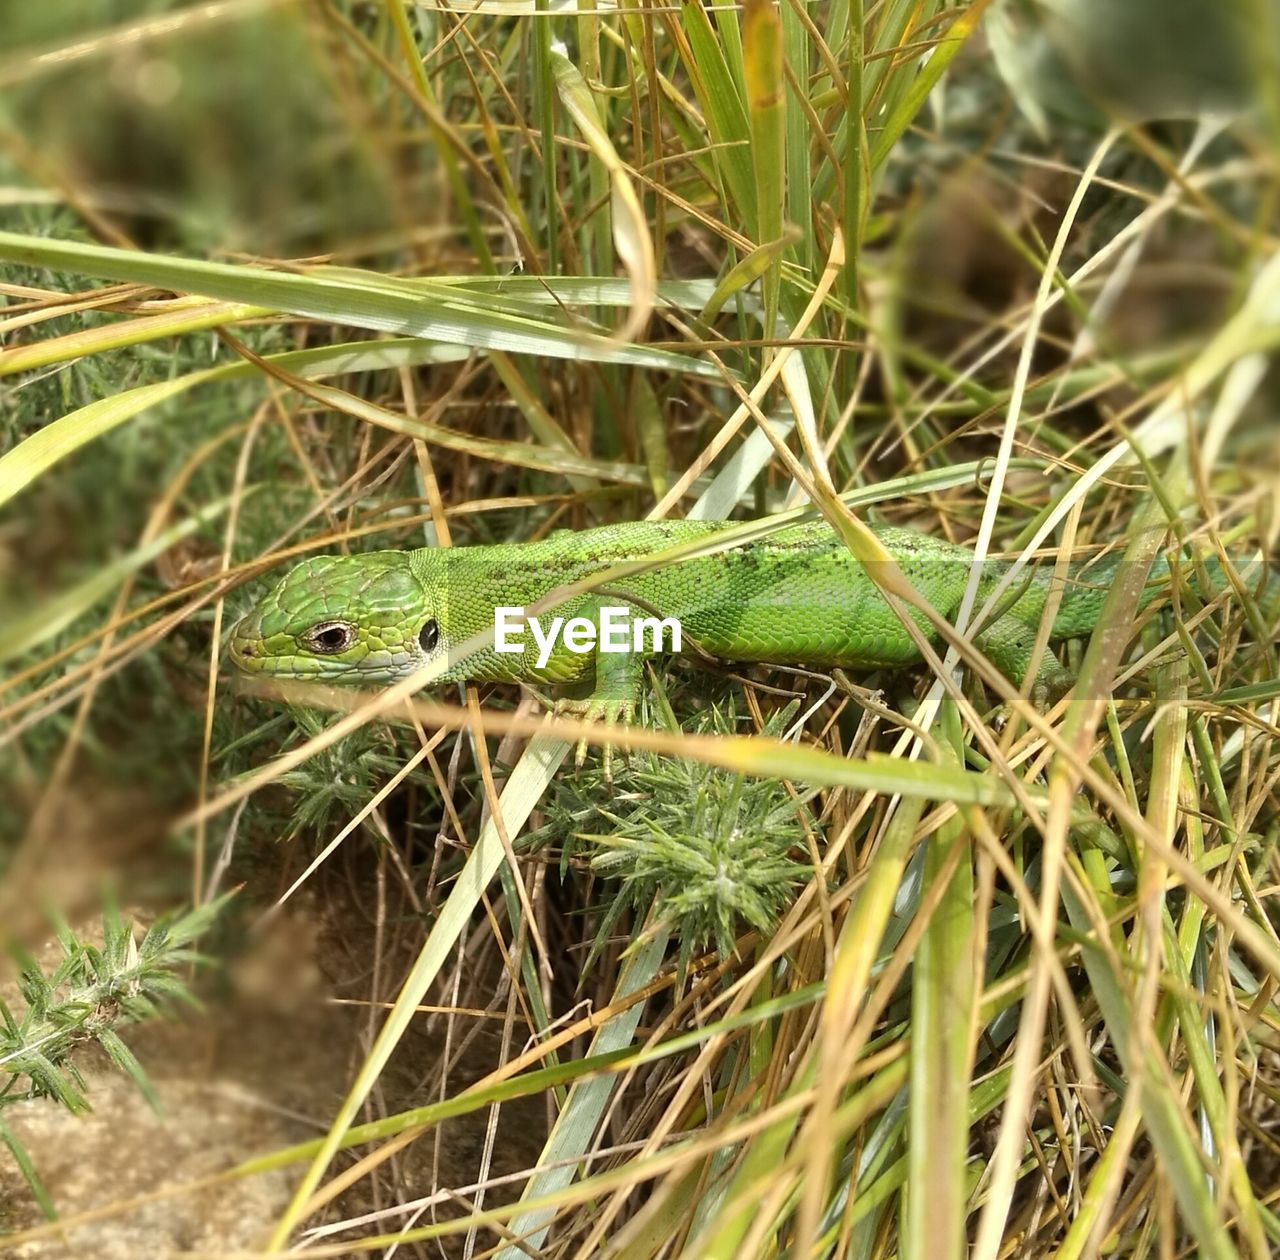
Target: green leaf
<point>432,309</point>
<point>524,788</point>
<point>722,106</point>
<point>124,1058</point>
<point>910,103</point>
<point>1253,693</point>
<point>28,1171</point>
<point>576,1126</point>
<point>942,994</point>
<point>767,114</point>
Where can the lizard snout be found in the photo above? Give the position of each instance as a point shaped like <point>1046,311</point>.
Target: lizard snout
<point>246,644</point>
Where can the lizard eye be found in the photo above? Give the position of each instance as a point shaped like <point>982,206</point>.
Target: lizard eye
<point>329,637</point>
<point>429,636</point>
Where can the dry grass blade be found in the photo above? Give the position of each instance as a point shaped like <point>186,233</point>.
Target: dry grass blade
<point>630,228</point>
<point>909,960</point>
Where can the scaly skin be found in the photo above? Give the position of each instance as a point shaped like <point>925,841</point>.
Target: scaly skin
<point>797,597</point>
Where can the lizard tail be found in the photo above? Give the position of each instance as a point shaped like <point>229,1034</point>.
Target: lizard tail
<point>1088,587</point>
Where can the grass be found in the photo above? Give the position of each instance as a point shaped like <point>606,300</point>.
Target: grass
<point>988,980</point>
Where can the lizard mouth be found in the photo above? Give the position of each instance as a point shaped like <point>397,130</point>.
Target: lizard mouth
<point>246,649</point>
<point>250,656</point>
<point>254,655</point>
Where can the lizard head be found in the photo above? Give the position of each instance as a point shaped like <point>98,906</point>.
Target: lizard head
<point>350,619</point>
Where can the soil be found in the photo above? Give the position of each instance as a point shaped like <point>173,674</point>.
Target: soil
<point>263,1065</point>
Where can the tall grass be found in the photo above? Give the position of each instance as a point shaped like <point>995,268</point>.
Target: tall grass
<point>281,278</point>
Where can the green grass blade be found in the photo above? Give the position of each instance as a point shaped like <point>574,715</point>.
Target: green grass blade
<point>942,993</point>
<point>189,317</point>
<point>523,791</point>
<point>576,1126</point>
<point>723,107</point>
<point>433,311</point>
<point>901,115</point>
<point>1162,1115</point>
<point>767,115</point>
<point>35,455</point>
<point>28,1171</point>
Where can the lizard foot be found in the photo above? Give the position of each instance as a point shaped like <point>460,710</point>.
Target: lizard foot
<point>597,708</point>
<point>1051,686</point>
<point>1046,691</point>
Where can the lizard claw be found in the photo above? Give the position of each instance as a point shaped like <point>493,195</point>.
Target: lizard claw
<point>1051,687</point>
<point>1046,691</point>
<point>608,709</point>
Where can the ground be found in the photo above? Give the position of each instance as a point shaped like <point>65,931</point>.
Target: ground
<point>262,1066</point>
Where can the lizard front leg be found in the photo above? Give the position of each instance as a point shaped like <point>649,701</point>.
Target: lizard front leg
<point>1010,644</point>
<point>613,698</point>
<point>615,691</point>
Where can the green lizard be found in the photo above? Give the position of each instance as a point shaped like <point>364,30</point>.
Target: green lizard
<point>794,597</point>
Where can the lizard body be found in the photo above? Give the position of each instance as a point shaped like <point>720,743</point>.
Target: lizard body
<point>794,597</point>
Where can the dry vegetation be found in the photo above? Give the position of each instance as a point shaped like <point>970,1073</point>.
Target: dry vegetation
<point>287,277</point>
